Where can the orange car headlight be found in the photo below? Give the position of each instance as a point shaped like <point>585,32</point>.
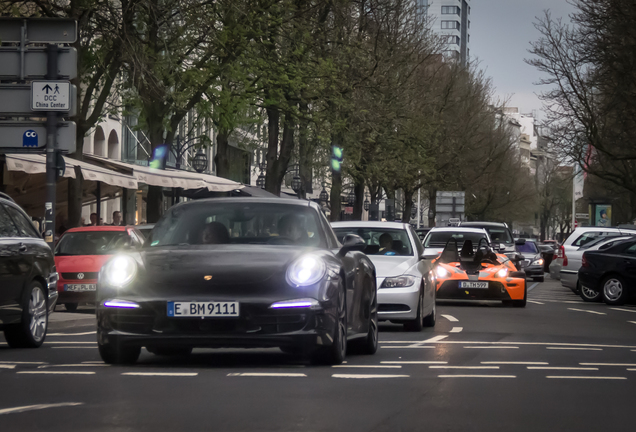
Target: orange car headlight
<point>442,272</point>
<point>502,273</point>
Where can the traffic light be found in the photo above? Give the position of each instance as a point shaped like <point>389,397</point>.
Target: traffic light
<point>159,157</point>
<point>336,159</point>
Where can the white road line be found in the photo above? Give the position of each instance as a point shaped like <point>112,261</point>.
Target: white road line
<point>93,362</point>
<point>456,330</point>
<point>562,344</point>
<point>463,367</point>
<point>434,339</point>
<point>562,368</point>
<point>514,363</point>
<point>409,346</point>
<point>531,287</point>
<point>632,322</point>
<point>450,318</point>
<point>7,366</point>
<point>163,374</point>
<point>71,334</point>
<point>414,362</point>
<point>37,407</point>
<point>268,374</point>
<point>588,311</point>
<point>74,365</point>
<point>359,376</point>
<point>535,302</point>
<point>75,347</point>
<point>609,364</point>
<point>575,349</point>
<point>631,369</point>
<point>22,363</point>
<point>585,377</point>
<point>624,310</point>
<point>57,372</point>
<point>492,347</point>
<point>367,366</point>
<point>476,376</point>
<point>71,342</point>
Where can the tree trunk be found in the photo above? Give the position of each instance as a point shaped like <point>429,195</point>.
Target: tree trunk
<point>222,159</point>
<point>277,166</point>
<point>336,190</point>
<point>154,200</point>
<point>358,190</point>
<point>432,203</point>
<point>273,130</point>
<point>408,206</point>
<point>305,152</point>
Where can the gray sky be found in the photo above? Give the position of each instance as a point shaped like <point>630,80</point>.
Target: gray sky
<point>500,36</point>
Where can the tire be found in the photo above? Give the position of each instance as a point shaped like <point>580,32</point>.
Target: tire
<point>369,345</point>
<point>614,290</point>
<point>416,325</point>
<point>589,294</point>
<point>430,319</point>
<point>539,279</point>
<point>31,331</point>
<point>117,354</point>
<point>70,307</point>
<point>170,351</point>
<point>335,353</point>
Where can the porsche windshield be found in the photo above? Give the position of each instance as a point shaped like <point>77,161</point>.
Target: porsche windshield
<point>390,242</point>
<point>440,238</point>
<point>238,223</point>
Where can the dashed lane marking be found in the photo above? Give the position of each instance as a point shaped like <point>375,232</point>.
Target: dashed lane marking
<point>588,311</point>
<point>71,342</point>
<point>562,368</point>
<point>463,367</point>
<point>556,344</point>
<point>368,366</point>
<point>632,322</point>
<point>7,366</point>
<point>409,346</point>
<point>574,349</point>
<point>533,286</point>
<point>535,302</point>
<point>74,347</point>
<point>268,374</point>
<point>609,364</point>
<point>624,310</point>
<point>414,362</point>
<point>585,377</point>
<point>456,330</point>
<point>22,363</point>
<point>514,363</point>
<point>75,365</point>
<point>42,372</point>
<point>20,409</point>
<point>492,347</point>
<point>93,362</point>
<point>476,376</point>
<point>162,374</point>
<point>72,334</point>
<point>450,318</point>
<point>361,376</point>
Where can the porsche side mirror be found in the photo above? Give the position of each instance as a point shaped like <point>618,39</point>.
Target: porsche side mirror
<point>352,242</point>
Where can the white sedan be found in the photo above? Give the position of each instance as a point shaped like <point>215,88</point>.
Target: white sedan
<point>406,291</point>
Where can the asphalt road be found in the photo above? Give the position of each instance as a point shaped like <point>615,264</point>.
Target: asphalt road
<point>558,364</point>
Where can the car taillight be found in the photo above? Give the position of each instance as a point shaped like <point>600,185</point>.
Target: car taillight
<point>565,257</point>
<point>584,261</point>
<point>560,252</point>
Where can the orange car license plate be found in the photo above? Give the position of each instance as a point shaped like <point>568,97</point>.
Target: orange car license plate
<point>480,285</point>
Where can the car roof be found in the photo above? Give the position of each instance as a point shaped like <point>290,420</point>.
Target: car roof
<point>99,228</point>
<point>251,200</point>
<point>483,224</point>
<point>459,229</point>
<point>369,224</point>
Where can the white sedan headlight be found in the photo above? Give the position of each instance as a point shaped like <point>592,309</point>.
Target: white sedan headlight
<point>307,270</point>
<point>119,271</point>
<point>398,282</point>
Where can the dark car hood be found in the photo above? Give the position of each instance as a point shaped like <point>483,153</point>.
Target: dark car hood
<point>219,268</point>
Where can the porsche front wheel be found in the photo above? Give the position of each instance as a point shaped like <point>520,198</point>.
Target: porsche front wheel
<point>369,344</point>
<point>335,353</point>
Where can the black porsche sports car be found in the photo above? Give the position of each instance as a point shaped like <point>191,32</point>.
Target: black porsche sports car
<point>239,272</point>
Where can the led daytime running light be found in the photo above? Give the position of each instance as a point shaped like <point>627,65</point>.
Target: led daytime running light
<point>121,304</point>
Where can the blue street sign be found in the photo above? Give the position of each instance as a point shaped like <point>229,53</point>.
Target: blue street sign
<point>30,138</point>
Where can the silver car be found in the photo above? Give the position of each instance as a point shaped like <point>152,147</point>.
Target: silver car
<point>406,291</point>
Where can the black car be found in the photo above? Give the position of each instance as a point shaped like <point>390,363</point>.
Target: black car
<point>610,272</point>
<point>533,261</point>
<point>239,272</point>
<point>28,279</point>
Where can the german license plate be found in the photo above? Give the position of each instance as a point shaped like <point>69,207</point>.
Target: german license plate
<point>80,287</point>
<point>480,285</point>
<point>203,309</point>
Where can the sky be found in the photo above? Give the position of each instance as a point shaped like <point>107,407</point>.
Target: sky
<point>500,36</point>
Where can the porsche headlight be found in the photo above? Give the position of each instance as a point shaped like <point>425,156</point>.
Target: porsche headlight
<point>538,262</point>
<point>502,273</point>
<point>441,272</point>
<point>398,282</point>
<point>307,270</point>
<point>120,271</point>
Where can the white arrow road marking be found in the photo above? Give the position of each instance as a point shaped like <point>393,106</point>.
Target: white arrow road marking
<point>359,376</point>
<point>450,318</point>
<point>37,407</point>
<point>268,374</point>
<point>588,311</point>
<point>456,329</point>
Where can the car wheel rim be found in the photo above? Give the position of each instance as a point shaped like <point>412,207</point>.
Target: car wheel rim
<point>589,293</point>
<point>37,312</point>
<point>613,289</point>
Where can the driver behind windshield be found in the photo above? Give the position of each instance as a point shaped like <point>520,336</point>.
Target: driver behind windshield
<point>215,233</point>
<point>386,245</point>
<point>291,227</point>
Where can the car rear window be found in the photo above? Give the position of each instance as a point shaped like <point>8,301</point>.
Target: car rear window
<point>590,236</point>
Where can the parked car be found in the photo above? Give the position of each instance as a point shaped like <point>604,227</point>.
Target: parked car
<point>610,272</point>
<point>28,278</point>
<point>80,255</point>
<point>571,280</point>
<point>239,272</point>
<point>580,237</point>
<point>406,289</point>
<point>532,263</point>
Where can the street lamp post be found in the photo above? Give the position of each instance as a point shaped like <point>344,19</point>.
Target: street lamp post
<point>200,161</point>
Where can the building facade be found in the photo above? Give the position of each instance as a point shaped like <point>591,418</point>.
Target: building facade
<point>451,19</point>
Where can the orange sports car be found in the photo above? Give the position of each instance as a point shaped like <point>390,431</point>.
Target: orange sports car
<point>478,274</point>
